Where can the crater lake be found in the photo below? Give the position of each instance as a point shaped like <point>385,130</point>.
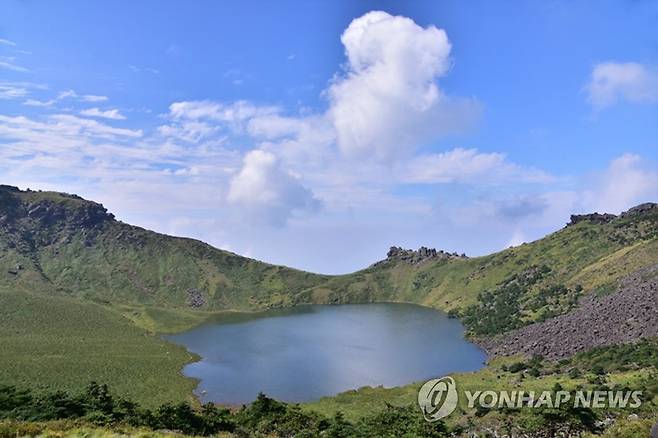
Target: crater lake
<point>307,352</point>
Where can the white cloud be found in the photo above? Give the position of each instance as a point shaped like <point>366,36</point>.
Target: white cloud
<point>234,113</point>
<point>388,102</point>
<point>9,63</point>
<point>469,166</point>
<point>612,82</point>
<point>93,98</point>
<point>267,192</point>
<point>66,94</point>
<point>7,42</point>
<point>8,91</point>
<point>626,182</point>
<point>151,70</point>
<point>39,103</point>
<point>189,131</point>
<point>17,90</point>
<point>65,127</point>
<point>112,114</point>
<point>84,98</point>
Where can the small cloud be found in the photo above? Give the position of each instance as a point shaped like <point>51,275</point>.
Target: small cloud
<point>628,180</point>
<point>151,70</point>
<point>83,98</point>
<point>8,63</point>
<point>112,114</point>
<point>66,94</point>
<point>291,57</point>
<point>7,42</point>
<point>39,103</point>
<point>93,98</point>
<point>267,192</point>
<point>8,92</point>
<point>612,82</point>
<point>469,166</point>
<point>17,90</point>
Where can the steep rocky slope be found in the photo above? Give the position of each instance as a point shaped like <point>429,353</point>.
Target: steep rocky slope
<point>626,315</point>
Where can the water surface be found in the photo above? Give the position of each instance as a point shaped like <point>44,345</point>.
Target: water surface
<point>307,352</point>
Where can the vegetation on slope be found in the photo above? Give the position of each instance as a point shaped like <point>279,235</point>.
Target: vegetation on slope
<point>581,258</point>
<point>516,373</point>
<point>59,343</point>
<point>76,248</point>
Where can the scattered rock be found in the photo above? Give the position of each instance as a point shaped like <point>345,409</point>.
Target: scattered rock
<point>195,298</point>
<point>622,317</point>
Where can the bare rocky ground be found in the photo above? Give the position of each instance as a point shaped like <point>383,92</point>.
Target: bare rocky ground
<point>624,316</point>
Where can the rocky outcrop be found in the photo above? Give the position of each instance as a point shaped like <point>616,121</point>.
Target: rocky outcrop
<point>31,219</point>
<point>423,254</point>
<point>604,218</point>
<point>622,317</point>
<point>594,218</point>
<point>646,208</point>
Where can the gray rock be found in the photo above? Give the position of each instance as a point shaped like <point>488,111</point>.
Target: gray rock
<point>647,207</point>
<point>195,298</point>
<point>422,255</point>
<point>623,317</point>
<point>595,218</point>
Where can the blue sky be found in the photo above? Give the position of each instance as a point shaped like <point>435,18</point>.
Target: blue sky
<point>316,134</point>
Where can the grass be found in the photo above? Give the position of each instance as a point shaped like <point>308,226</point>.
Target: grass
<point>60,343</point>
<point>76,429</point>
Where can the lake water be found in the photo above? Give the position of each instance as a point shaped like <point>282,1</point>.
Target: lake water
<point>307,352</point>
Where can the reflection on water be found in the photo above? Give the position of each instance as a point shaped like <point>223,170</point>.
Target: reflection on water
<point>307,352</point>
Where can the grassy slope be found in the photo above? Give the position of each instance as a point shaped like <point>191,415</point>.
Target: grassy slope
<point>60,343</point>
<point>113,263</point>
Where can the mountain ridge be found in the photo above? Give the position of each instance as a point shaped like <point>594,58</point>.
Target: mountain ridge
<point>74,245</point>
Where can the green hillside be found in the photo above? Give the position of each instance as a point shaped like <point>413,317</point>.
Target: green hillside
<point>72,247</point>
<point>59,343</point>
<point>550,273</point>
